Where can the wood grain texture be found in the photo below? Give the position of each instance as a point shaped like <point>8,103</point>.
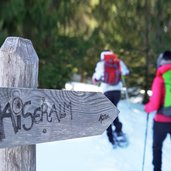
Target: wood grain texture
<point>18,68</point>
<point>31,116</point>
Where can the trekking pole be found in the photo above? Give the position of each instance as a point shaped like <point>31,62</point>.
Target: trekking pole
<point>126,92</point>
<point>145,141</point>
<point>126,89</point>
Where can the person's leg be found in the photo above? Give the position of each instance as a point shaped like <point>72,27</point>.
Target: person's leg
<point>114,97</point>
<point>118,125</point>
<point>110,134</point>
<point>159,134</point>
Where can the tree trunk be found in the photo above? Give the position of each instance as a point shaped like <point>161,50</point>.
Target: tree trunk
<point>147,46</point>
<point>18,68</point>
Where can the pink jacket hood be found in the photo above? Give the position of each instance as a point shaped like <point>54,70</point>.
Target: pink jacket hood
<point>161,70</point>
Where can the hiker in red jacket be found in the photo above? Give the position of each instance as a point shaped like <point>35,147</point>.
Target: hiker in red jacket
<point>160,101</point>
<point>108,72</point>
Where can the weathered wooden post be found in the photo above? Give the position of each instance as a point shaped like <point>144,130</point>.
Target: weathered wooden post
<point>18,68</point>
<point>29,115</point>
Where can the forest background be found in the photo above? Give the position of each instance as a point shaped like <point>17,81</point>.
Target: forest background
<point>68,35</point>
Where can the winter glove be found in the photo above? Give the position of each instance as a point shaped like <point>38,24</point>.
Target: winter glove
<point>148,108</point>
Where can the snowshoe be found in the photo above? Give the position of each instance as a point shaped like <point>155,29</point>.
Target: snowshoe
<point>120,139</point>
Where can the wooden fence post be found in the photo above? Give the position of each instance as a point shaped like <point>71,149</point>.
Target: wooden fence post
<point>18,68</point>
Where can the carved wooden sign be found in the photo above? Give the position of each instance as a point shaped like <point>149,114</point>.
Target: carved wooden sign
<point>31,116</point>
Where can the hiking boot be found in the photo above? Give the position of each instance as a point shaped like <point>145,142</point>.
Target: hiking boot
<point>120,138</point>
<point>114,145</point>
<point>111,140</point>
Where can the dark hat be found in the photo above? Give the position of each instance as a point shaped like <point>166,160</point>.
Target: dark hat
<point>164,58</point>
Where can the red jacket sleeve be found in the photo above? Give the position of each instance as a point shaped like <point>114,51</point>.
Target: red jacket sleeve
<point>156,98</point>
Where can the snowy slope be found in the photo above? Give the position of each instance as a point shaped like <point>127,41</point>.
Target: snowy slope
<point>96,153</point>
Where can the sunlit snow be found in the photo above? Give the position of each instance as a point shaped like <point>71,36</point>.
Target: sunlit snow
<point>96,153</point>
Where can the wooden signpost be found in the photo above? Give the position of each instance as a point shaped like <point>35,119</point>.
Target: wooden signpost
<point>29,115</point>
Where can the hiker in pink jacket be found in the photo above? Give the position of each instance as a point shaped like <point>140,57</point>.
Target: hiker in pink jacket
<point>160,101</point>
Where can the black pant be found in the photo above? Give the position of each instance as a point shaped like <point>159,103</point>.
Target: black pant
<point>114,97</point>
<point>160,131</point>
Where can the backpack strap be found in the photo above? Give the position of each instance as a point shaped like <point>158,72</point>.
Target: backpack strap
<point>166,109</point>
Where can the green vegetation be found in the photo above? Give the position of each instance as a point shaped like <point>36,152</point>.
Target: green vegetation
<point>68,35</point>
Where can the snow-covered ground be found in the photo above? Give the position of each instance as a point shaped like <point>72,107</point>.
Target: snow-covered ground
<point>96,153</point>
